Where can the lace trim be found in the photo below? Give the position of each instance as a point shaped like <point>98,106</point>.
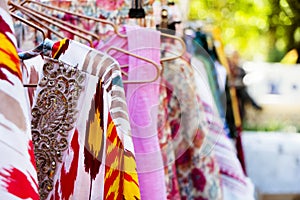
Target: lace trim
<point>53,116</point>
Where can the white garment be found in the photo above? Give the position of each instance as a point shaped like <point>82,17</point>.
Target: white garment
<point>235,185</point>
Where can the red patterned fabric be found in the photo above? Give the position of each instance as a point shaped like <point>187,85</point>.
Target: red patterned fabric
<point>196,168</point>
<point>18,178</point>
<point>81,131</point>
<point>165,140</point>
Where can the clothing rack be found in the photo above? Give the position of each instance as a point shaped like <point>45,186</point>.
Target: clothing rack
<point>92,137</point>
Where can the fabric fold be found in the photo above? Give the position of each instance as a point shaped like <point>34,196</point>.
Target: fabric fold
<point>143,102</point>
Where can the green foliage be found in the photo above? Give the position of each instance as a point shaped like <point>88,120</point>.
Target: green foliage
<point>259,29</point>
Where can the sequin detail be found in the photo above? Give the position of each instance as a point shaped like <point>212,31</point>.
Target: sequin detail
<point>53,116</point>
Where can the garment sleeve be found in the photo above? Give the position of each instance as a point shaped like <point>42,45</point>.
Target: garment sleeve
<point>18,178</point>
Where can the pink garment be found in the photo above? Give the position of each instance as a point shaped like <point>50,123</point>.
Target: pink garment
<point>110,4</point>
<point>119,42</point>
<point>143,100</point>
<point>142,124</point>
<point>71,19</point>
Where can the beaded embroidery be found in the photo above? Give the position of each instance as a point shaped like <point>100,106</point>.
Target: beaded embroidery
<point>53,115</point>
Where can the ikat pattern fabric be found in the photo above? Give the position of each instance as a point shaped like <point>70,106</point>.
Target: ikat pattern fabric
<point>92,154</point>
<point>18,176</point>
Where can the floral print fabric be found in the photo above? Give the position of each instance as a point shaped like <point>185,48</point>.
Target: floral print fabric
<point>165,140</point>
<point>196,169</point>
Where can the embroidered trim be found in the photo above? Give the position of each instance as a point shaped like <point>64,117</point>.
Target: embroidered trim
<point>53,115</point>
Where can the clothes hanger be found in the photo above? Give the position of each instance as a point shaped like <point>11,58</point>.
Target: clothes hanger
<point>126,81</point>
<point>25,21</point>
<point>123,51</point>
<point>124,66</point>
<point>158,68</point>
<point>23,9</point>
<point>182,45</point>
<point>33,26</point>
<point>164,25</point>
<point>138,13</point>
<point>36,21</point>
<point>17,17</point>
<point>65,23</point>
<point>115,27</point>
<point>115,30</point>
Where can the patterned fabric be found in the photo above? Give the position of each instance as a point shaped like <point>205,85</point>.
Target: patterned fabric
<point>96,156</point>
<point>52,117</point>
<point>197,170</point>
<point>235,184</point>
<point>31,75</point>
<point>142,107</point>
<point>110,5</point>
<point>44,48</point>
<point>18,176</point>
<point>165,140</point>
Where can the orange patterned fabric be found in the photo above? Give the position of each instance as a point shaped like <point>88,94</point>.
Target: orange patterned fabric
<point>99,161</point>
<point>113,167</point>
<point>120,168</point>
<point>18,178</point>
<point>59,48</point>
<point>8,58</point>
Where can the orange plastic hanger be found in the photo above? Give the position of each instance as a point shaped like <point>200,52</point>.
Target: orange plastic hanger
<point>25,21</point>
<point>158,67</point>
<point>45,19</point>
<point>79,29</point>
<point>115,27</point>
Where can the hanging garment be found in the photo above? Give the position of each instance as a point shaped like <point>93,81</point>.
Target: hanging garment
<point>80,112</point>
<point>221,75</point>
<point>201,51</point>
<point>165,140</point>
<point>119,42</point>
<point>223,98</point>
<point>235,184</point>
<point>197,170</point>
<point>142,119</point>
<point>31,75</point>
<point>116,41</point>
<point>218,95</point>
<point>143,100</point>
<point>18,176</point>
<point>110,5</point>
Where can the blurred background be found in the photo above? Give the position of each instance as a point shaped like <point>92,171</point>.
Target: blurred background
<point>266,34</point>
<point>262,30</point>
